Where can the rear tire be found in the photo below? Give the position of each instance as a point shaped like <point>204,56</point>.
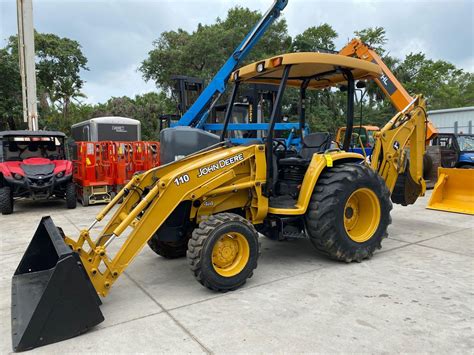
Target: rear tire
<point>349,212</point>
<point>71,199</point>
<point>223,252</point>
<point>6,200</point>
<point>169,250</point>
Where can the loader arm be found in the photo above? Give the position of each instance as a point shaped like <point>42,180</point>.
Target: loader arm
<point>406,129</point>
<point>153,195</point>
<point>387,82</point>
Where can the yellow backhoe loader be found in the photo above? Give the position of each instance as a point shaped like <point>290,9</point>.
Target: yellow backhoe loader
<point>212,204</point>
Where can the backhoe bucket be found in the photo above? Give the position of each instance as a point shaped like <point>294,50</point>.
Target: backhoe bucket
<point>52,296</point>
<point>454,191</point>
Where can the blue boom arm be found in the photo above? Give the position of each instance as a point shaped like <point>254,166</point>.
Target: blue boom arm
<point>198,112</point>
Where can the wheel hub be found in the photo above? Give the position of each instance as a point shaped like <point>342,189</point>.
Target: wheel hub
<point>230,254</point>
<point>362,215</point>
<point>225,251</point>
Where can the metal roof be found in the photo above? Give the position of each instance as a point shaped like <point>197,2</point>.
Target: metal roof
<point>321,68</point>
<point>110,120</point>
<point>25,133</point>
<point>448,110</point>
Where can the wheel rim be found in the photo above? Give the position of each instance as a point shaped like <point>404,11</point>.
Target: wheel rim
<point>362,215</point>
<point>230,254</point>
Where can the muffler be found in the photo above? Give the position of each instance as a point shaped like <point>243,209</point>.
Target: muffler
<point>53,298</point>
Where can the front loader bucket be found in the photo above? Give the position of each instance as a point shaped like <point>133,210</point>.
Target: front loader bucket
<point>454,191</point>
<point>52,296</point>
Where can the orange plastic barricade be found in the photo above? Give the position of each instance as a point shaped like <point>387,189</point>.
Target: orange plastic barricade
<point>152,155</point>
<point>101,169</point>
<point>93,172</point>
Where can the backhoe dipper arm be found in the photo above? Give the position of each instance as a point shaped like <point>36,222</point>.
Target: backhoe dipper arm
<point>389,154</point>
<point>387,82</point>
<point>197,113</point>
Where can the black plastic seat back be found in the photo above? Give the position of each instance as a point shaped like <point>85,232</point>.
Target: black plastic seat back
<point>315,143</point>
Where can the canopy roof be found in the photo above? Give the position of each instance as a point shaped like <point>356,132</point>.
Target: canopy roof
<point>322,69</point>
<point>25,133</point>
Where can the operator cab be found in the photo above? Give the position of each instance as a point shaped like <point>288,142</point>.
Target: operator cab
<point>286,166</point>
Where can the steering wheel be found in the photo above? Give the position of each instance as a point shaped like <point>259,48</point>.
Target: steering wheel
<point>278,143</point>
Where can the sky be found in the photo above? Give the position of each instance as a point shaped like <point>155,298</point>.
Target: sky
<point>117,35</point>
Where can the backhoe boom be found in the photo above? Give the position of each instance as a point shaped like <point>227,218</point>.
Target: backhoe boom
<point>387,82</point>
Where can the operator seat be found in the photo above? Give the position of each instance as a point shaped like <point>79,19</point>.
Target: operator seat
<point>313,143</point>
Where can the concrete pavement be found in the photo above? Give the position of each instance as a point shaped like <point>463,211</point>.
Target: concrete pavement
<point>414,295</point>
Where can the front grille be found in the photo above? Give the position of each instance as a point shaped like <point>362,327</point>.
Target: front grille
<point>40,180</point>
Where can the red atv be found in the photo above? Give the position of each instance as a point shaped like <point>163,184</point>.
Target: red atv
<point>34,165</point>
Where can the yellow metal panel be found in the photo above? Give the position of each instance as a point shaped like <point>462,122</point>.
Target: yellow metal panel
<point>318,163</point>
<point>454,191</point>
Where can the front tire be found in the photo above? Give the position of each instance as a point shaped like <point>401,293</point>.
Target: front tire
<point>168,250</point>
<point>349,212</point>
<point>223,252</point>
<point>71,199</point>
<point>6,200</point>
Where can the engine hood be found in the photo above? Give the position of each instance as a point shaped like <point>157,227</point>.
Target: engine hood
<point>37,169</point>
<point>35,166</point>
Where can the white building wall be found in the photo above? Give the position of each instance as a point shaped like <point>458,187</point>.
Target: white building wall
<point>455,120</point>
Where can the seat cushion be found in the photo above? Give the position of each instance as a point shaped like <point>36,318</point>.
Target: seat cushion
<point>293,161</point>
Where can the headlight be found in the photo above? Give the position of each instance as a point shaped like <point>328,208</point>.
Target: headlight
<point>60,174</point>
<point>17,176</point>
<point>260,67</point>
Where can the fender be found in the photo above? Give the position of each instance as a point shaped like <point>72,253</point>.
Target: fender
<point>465,158</point>
<point>319,163</point>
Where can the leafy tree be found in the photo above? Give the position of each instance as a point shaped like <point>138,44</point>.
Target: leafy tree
<point>202,52</point>
<point>375,37</point>
<point>314,39</point>
<point>441,82</point>
<point>146,108</point>
<point>11,109</point>
<point>59,62</point>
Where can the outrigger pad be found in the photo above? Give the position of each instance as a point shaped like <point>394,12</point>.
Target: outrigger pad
<point>52,296</point>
